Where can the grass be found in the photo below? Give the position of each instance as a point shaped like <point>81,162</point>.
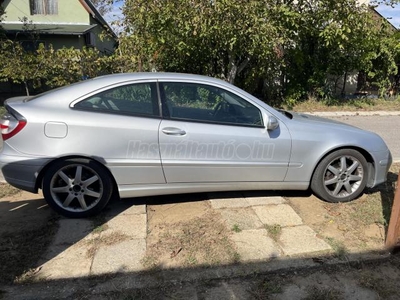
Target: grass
<point>383,287</point>
<point>338,247</point>
<point>104,240</point>
<point>265,288</point>
<point>368,211</point>
<point>7,190</point>
<point>274,231</point>
<point>100,228</point>
<point>321,293</point>
<point>203,241</point>
<point>2,110</point>
<point>347,105</point>
<point>236,228</point>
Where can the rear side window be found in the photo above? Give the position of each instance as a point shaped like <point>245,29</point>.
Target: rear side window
<point>135,99</point>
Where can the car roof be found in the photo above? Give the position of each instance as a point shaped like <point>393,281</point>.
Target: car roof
<point>76,90</point>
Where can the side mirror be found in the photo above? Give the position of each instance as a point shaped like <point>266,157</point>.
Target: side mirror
<point>272,123</point>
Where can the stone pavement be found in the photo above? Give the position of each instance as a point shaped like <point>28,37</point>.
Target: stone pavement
<point>82,248</point>
<point>253,216</point>
<point>116,242</point>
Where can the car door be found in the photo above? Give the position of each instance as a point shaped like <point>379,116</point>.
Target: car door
<point>121,126</point>
<point>210,134</point>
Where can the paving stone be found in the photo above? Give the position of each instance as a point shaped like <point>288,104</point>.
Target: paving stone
<point>120,257</point>
<point>134,226</point>
<point>254,201</point>
<point>71,231</point>
<point>135,210</point>
<point>71,262</point>
<point>255,244</point>
<point>229,203</point>
<point>227,200</point>
<point>245,218</point>
<point>124,207</point>
<point>301,240</point>
<point>281,214</point>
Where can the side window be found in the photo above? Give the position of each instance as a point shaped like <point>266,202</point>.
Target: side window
<point>199,102</point>
<point>136,99</point>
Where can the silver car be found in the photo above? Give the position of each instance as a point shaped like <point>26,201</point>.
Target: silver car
<point>141,134</point>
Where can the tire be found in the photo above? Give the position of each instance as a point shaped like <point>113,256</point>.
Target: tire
<point>77,188</point>
<point>340,176</point>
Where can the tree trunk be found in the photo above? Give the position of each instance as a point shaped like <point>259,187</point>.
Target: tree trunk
<point>232,70</point>
<point>344,84</point>
<point>26,88</point>
<point>235,68</point>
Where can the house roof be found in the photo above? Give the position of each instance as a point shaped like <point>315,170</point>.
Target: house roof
<point>91,9</point>
<point>377,13</point>
<point>72,29</point>
<point>58,29</point>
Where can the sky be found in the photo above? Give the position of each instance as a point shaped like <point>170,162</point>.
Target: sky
<point>391,13</point>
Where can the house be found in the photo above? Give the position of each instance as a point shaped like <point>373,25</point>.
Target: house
<point>353,83</point>
<point>62,23</point>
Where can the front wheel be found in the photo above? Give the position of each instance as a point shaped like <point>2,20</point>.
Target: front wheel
<point>341,176</point>
<point>77,188</point>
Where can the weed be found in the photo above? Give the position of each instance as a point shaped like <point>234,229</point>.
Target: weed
<point>368,211</point>
<point>236,228</point>
<point>104,240</point>
<point>274,231</point>
<point>338,247</point>
<point>203,240</point>
<point>320,293</point>
<point>373,282</point>
<point>191,260</point>
<point>100,228</point>
<point>265,288</point>
<point>347,105</point>
<point>149,262</point>
<point>236,257</point>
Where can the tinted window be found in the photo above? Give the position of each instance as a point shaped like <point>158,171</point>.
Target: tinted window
<point>198,102</point>
<point>137,99</point>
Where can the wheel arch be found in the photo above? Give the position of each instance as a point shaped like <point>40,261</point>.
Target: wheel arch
<point>39,179</point>
<point>363,152</point>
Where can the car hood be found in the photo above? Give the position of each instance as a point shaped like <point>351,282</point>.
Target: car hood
<point>335,130</point>
<point>306,118</point>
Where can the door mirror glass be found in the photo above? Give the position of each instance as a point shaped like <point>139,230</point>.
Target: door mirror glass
<point>272,123</point>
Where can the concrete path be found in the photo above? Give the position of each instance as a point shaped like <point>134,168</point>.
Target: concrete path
<point>82,248</point>
<point>116,242</point>
<point>267,227</point>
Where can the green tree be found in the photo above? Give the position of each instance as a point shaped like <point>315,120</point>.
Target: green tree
<point>19,66</point>
<point>217,38</point>
<point>327,39</point>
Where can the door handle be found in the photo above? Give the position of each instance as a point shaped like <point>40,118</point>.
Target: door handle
<point>173,131</point>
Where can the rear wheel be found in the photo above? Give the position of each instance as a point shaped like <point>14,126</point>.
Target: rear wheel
<point>341,176</point>
<point>77,188</point>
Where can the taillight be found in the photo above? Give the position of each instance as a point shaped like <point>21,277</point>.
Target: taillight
<point>10,126</point>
